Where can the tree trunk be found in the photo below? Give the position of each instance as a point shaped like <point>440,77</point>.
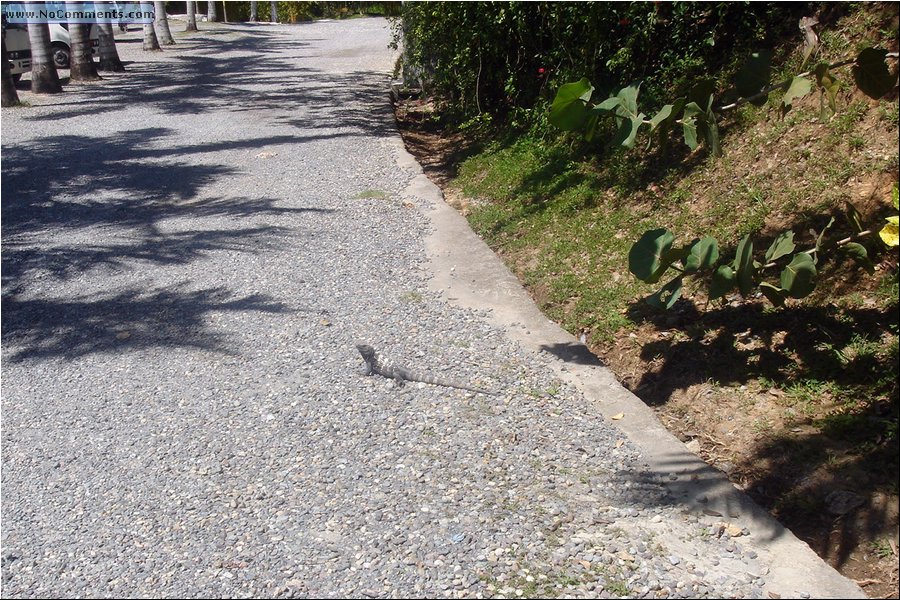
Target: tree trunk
<point>44,78</point>
<point>254,16</point>
<point>10,96</point>
<point>161,24</point>
<point>81,62</point>
<point>109,56</point>
<point>274,18</point>
<point>211,15</point>
<point>191,17</point>
<point>150,42</point>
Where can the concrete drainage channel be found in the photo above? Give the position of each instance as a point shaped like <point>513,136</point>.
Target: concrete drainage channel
<point>470,275</point>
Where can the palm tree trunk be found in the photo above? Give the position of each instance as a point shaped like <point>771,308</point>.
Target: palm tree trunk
<point>44,78</point>
<point>274,18</point>
<point>9,95</point>
<point>150,42</point>
<point>211,15</point>
<point>109,56</point>
<point>254,16</point>
<point>161,23</point>
<point>191,17</point>
<point>81,63</point>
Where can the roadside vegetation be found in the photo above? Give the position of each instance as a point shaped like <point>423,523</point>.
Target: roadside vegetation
<point>794,393</point>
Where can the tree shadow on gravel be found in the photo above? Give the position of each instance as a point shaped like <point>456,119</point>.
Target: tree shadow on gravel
<point>76,204</point>
<point>257,72</point>
<point>107,212</point>
<point>133,319</point>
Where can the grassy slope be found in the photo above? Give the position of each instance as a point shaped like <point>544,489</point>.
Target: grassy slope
<point>564,223</point>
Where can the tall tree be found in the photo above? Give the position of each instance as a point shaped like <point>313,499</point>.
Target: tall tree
<point>211,15</point>
<point>109,56</point>
<point>150,42</point>
<point>10,96</point>
<point>161,24</point>
<point>44,78</point>
<point>191,17</point>
<point>81,62</point>
<point>274,18</point>
<point>254,16</point>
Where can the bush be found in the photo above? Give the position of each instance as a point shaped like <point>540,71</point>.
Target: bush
<point>499,56</point>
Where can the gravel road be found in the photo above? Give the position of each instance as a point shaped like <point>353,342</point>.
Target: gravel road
<point>190,252</point>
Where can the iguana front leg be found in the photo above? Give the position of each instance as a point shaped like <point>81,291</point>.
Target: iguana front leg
<point>400,376</point>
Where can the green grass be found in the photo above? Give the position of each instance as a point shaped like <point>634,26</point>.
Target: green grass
<point>848,117</point>
<point>567,215</point>
<point>373,194</point>
<point>882,548</point>
<point>412,297</point>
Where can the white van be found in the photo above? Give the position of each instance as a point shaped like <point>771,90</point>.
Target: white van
<point>18,46</point>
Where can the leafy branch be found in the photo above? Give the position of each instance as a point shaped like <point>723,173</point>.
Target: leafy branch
<point>655,253</point>
<point>574,109</point>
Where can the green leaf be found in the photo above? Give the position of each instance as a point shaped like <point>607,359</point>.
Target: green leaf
<point>754,76</point>
<point>871,73</point>
<point>650,256</point>
<point>781,246</point>
<point>702,93</point>
<point>895,197</point>
<point>607,105</point>
<point>628,96</point>
<point>828,84</point>
<point>590,126</point>
<point>821,237</point>
<point>667,295</point>
<point>664,113</point>
<point>569,109</point>
<point>854,217</point>
<point>689,124</point>
<point>799,87</point>
<point>701,254</point>
<point>775,295</point>
<point>743,266</point>
<point>710,131</point>
<point>798,279</point>
<point>859,254</point>
<point>722,282</point>
<point>627,131</point>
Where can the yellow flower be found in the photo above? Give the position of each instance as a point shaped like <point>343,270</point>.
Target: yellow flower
<point>889,233</point>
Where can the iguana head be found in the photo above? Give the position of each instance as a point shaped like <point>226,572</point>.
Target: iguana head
<point>367,351</point>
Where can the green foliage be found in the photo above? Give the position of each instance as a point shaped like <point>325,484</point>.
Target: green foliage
<point>754,76</point>
<point>295,12</point>
<point>573,108</point>
<point>502,56</point>
<point>655,253</point>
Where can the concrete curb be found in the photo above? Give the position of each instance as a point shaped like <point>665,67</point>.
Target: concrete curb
<point>470,275</point>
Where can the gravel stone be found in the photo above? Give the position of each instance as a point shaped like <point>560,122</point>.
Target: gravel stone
<point>191,251</point>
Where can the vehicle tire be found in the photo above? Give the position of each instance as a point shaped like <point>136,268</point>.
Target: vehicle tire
<point>60,55</point>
